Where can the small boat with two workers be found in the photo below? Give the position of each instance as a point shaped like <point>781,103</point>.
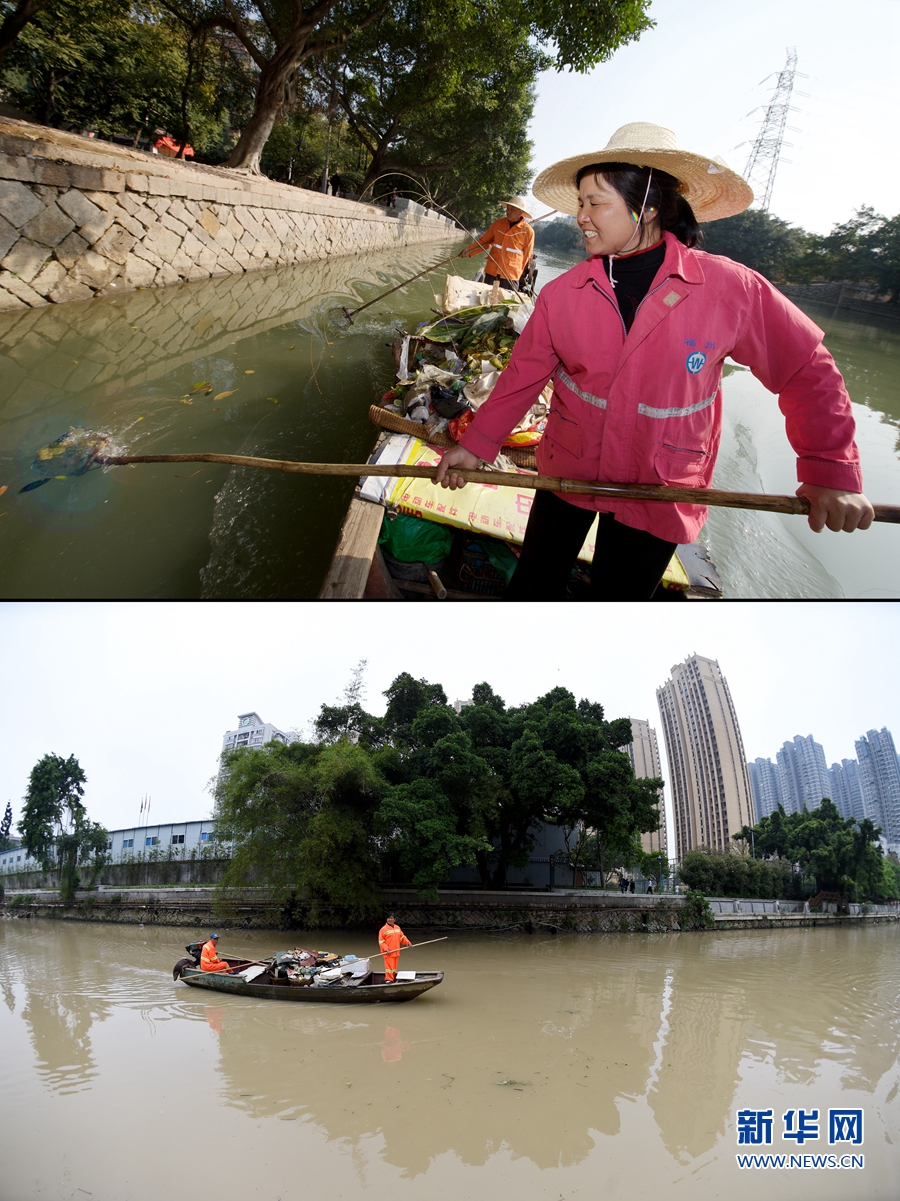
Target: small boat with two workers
<point>301,974</point>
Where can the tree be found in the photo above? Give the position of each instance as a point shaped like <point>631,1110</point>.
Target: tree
<point>505,771</point>
<point>54,821</point>
<point>300,816</point>
<point>433,87</point>
<point>655,866</point>
<point>758,240</point>
<point>561,235</point>
<point>16,14</point>
<point>842,854</point>
<point>5,827</point>
<point>280,36</point>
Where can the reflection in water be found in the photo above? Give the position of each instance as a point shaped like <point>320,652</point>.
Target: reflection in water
<point>392,1045</point>
<point>549,1058</point>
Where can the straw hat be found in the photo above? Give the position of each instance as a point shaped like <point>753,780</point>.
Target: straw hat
<point>710,187</point>
<point>517,202</point>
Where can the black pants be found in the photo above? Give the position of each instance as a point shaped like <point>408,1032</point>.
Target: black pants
<point>628,564</point>
<point>510,285</point>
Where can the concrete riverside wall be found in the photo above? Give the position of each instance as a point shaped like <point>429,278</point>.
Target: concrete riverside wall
<point>581,912</point>
<point>845,297</point>
<point>141,871</point>
<point>82,218</point>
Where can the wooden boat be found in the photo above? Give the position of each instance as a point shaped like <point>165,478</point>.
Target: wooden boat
<point>371,991</point>
<point>359,569</point>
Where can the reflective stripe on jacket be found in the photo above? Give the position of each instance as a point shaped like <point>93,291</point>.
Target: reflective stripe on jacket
<point>509,247</point>
<point>646,407</point>
<point>391,938</point>
<point>209,958</point>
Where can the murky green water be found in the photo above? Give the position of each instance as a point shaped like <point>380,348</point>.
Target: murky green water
<point>609,1066</point>
<point>300,384</point>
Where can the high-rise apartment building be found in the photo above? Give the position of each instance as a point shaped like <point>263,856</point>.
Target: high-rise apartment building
<point>846,790</point>
<point>643,751</point>
<point>710,785</point>
<point>804,775</point>
<point>879,778</point>
<point>253,731</point>
<point>765,785</point>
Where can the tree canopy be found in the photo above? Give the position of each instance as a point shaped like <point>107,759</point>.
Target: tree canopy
<point>54,821</point>
<point>842,854</point>
<point>422,789</point>
<point>5,827</point>
<point>431,97</point>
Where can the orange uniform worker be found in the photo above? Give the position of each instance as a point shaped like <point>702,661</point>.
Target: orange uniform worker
<point>390,939</point>
<point>510,245</point>
<point>209,956</point>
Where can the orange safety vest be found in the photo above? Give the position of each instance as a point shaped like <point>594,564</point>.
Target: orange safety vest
<point>209,958</point>
<point>509,247</point>
<point>392,938</point>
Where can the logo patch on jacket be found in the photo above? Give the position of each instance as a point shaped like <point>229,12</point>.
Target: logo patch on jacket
<point>695,361</point>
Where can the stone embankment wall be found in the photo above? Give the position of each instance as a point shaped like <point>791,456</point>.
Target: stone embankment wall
<point>844,297</point>
<point>555,912</point>
<point>82,218</point>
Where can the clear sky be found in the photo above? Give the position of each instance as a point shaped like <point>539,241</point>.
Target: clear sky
<point>699,71</point>
<point>141,694</point>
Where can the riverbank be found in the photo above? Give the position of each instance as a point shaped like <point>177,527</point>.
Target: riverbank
<point>578,911</point>
<point>81,218</point>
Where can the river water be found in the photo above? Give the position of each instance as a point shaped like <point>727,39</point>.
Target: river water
<point>299,383</point>
<point>608,1066</point>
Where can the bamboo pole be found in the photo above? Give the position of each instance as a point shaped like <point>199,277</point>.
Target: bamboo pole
<point>378,415</point>
<point>411,947</point>
<point>506,479</point>
<point>351,313</point>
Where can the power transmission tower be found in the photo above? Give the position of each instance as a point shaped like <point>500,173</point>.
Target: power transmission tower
<point>766,152</point>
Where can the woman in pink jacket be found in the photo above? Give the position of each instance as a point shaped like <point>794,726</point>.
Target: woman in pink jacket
<point>635,339</point>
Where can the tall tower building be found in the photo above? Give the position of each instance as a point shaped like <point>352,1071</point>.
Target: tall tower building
<point>846,791</point>
<point>710,785</point>
<point>804,776</point>
<point>765,785</point>
<point>879,777</point>
<point>253,731</point>
<point>643,751</point>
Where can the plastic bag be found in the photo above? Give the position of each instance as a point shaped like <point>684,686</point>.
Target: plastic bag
<point>414,540</point>
<point>446,402</point>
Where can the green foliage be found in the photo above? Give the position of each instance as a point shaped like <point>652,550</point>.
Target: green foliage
<point>863,250</point>
<point>655,866</point>
<point>52,805</point>
<point>127,70</point>
<point>561,235</point>
<point>6,842</point>
<point>758,240</point>
<point>420,825</point>
<point>20,901</point>
<point>423,789</point>
<point>54,820</point>
<point>695,913</point>
<point>727,874</point>
<point>841,853</point>
<point>301,818</point>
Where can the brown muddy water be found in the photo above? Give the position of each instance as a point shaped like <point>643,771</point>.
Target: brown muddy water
<point>572,1067</point>
<point>288,381</point>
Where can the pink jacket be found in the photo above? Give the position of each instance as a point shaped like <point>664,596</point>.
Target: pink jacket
<point>647,408</point>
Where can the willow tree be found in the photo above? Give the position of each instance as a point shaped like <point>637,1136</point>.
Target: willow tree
<point>300,816</point>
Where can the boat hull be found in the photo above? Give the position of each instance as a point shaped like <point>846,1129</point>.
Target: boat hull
<point>362,994</point>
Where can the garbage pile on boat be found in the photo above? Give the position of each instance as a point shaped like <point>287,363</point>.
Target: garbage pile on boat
<point>317,969</point>
<point>448,367</point>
